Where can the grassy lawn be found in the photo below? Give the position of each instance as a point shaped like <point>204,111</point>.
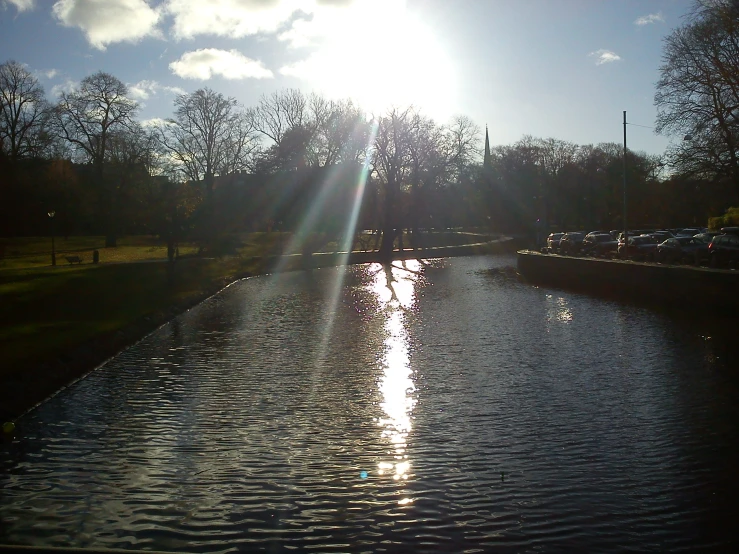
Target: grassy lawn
<point>47,310</point>
<point>34,252</point>
<point>50,310</point>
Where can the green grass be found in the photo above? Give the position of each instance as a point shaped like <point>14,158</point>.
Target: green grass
<point>35,252</point>
<point>48,311</point>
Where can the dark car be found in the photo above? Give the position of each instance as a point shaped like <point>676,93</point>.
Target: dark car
<point>662,235</point>
<point>597,233</point>
<point>688,232</point>
<point>724,250</point>
<point>677,250</point>
<point>571,243</point>
<point>632,233</point>
<point>642,247</point>
<point>553,241</point>
<point>599,244</point>
<point>700,254</point>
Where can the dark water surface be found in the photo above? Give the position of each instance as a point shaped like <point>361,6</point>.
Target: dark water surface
<point>456,410</point>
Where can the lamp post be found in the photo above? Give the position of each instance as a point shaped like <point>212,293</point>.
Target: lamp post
<point>51,214</point>
<point>626,229</point>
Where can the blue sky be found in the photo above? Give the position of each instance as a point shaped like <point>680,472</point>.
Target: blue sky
<point>548,68</point>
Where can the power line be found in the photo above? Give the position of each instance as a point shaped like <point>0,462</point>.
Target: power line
<point>637,125</point>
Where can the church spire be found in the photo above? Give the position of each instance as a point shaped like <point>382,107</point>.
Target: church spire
<point>487,161</point>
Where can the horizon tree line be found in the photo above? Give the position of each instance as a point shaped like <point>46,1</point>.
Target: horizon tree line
<point>113,174</point>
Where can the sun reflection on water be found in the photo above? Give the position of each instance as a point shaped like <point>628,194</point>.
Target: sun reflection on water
<point>558,310</point>
<point>395,290</point>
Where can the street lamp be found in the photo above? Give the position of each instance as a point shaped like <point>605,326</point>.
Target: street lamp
<point>626,229</point>
<point>51,214</point>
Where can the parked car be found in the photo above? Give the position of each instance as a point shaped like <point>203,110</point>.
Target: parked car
<point>642,247</point>
<point>701,254</point>
<point>677,250</point>
<point>688,232</point>
<point>724,250</point>
<point>632,233</point>
<point>662,235</point>
<point>597,233</point>
<point>553,241</point>
<point>571,243</point>
<point>599,244</point>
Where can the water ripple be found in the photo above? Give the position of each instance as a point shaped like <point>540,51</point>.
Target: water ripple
<point>436,406</point>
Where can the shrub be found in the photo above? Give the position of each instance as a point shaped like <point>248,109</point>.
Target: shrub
<point>729,219</point>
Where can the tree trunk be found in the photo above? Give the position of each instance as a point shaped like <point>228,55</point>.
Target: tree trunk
<point>415,238</point>
<point>210,209</point>
<point>386,246</point>
<point>388,224</point>
<point>107,208</point>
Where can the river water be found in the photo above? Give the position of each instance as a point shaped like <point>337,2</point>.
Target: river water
<point>436,406</point>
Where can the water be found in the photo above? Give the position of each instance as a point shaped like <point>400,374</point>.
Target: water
<point>457,410</point>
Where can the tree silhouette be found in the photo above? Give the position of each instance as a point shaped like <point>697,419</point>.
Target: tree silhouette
<point>23,112</point>
<point>86,118</point>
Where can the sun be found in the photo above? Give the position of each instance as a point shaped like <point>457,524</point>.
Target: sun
<point>380,55</point>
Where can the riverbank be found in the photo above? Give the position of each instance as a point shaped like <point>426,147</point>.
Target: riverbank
<point>684,289</point>
<point>60,323</point>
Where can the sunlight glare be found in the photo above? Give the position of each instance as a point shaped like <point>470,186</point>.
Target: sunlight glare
<point>395,290</point>
<point>381,55</point>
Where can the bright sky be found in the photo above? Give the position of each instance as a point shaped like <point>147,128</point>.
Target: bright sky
<point>548,68</point>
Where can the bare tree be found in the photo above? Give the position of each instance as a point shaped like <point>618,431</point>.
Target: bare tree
<point>428,160</point>
<point>697,94</point>
<point>279,112</point>
<point>86,118</point>
<point>131,164</point>
<point>463,136</point>
<point>209,135</point>
<point>23,112</point>
<point>242,145</point>
<point>392,166</point>
<point>340,131</point>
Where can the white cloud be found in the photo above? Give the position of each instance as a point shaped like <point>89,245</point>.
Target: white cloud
<point>604,56</point>
<point>144,89</point>
<point>300,19</point>
<point>108,21</point>
<point>21,5</point>
<point>174,90</point>
<point>232,18</point>
<point>154,122</point>
<point>651,18</point>
<point>45,73</point>
<point>208,62</point>
<point>67,86</point>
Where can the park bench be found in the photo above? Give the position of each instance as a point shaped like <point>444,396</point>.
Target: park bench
<point>73,259</point>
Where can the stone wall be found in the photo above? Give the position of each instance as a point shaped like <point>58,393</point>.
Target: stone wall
<point>680,287</point>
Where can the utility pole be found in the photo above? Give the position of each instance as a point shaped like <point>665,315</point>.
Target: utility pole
<point>51,215</point>
<point>626,232</point>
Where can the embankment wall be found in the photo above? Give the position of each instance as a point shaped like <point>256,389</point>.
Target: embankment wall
<point>679,287</point>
